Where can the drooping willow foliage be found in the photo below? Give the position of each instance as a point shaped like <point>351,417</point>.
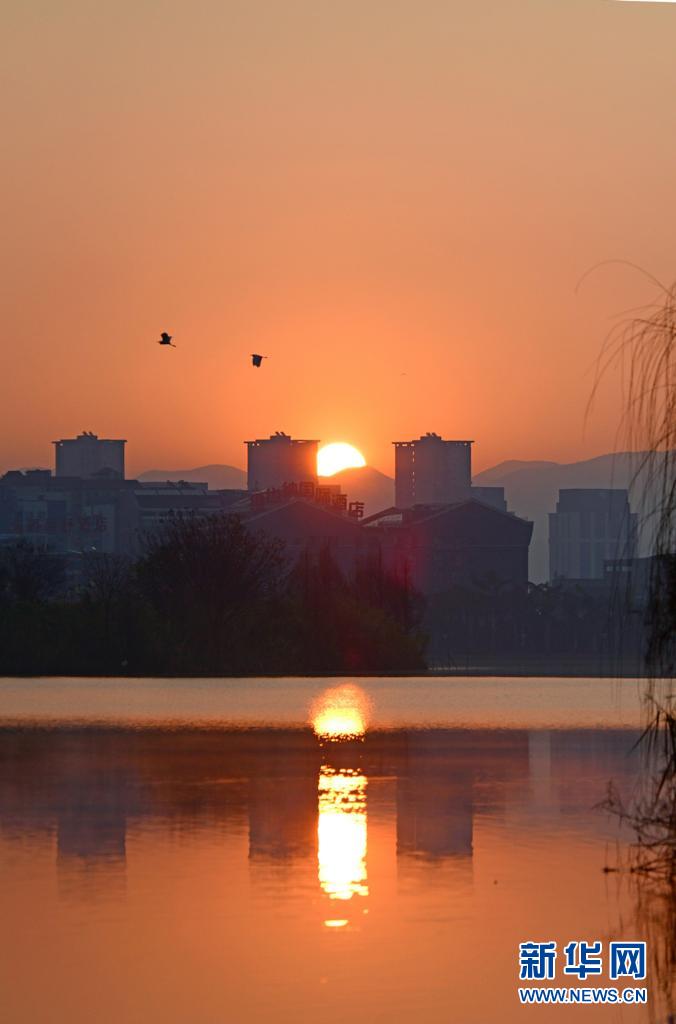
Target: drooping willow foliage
<point>644,349</point>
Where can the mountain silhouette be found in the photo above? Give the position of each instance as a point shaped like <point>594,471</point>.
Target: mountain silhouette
<point>218,477</point>
<point>364,483</point>
<point>495,476</point>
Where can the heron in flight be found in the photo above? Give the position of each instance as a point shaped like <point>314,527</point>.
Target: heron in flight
<point>165,339</point>
<point>256,359</point>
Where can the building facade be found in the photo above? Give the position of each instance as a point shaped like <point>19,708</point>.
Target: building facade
<point>88,456</point>
<point>68,515</point>
<point>107,515</point>
<point>493,496</point>
<point>158,503</point>
<point>431,471</point>
<point>280,459</point>
<point>308,527</point>
<point>466,544</point>
<point>590,526</point>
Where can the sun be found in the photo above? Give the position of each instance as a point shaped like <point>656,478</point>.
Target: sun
<point>334,457</point>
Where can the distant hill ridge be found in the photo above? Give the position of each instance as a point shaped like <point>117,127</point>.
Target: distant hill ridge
<point>218,477</point>
<point>364,483</point>
<point>507,468</point>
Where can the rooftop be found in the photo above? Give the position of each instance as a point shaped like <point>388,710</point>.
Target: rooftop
<point>279,435</point>
<point>431,436</point>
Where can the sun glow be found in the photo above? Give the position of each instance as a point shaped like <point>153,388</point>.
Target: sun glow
<point>334,457</point>
<point>340,713</point>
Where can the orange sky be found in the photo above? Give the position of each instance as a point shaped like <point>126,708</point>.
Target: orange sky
<point>360,190</point>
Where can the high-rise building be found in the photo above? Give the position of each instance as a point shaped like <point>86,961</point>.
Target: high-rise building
<point>431,471</point>
<point>89,456</point>
<point>590,526</point>
<point>279,459</point>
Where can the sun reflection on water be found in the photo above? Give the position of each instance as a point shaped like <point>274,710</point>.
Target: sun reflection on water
<point>340,713</point>
<point>342,833</point>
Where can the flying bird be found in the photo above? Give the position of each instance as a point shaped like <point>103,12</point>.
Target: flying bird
<point>165,339</point>
<point>256,359</point>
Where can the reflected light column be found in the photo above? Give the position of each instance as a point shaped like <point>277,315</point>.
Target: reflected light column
<point>340,715</point>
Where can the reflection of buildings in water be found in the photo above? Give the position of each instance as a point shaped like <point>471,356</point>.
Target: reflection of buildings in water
<point>434,798</point>
<point>582,757</point>
<point>434,817</point>
<point>281,796</point>
<point>282,817</point>
<point>89,785</point>
<point>341,833</point>
<point>81,786</point>
<point>91,829</point>
<point>447,775</point>
<point>92,818</point>
<point>568,775</point>
<point>540,768</point>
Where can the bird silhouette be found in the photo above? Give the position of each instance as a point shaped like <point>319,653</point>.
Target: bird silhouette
<point>256,359</point>
<point>165,339</point>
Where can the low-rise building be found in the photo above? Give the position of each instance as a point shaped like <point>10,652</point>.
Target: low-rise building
<point>159,502</point>
<point>308,527</point>
<point>68,514</point>
<point>106,515</point>
<point>439,546</point>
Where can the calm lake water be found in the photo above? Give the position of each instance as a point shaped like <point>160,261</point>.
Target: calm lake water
<point>211,851</point>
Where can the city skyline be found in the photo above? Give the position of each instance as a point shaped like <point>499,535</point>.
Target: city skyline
<point>136,467</point>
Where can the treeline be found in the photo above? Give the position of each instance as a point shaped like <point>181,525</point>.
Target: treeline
<point>207,597</point>
<point>548,620</point>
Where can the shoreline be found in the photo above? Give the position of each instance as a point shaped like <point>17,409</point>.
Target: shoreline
<point>518,670</point>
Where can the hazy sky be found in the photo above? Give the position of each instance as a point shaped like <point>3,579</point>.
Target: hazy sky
<point>359,189</point>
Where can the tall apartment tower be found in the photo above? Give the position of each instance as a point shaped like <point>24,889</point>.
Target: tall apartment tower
<point>280,459</point>
<point>89,456</point>
<point>431,471</point>
<point>589,526</point>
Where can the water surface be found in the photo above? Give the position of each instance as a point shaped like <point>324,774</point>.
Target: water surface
<point>207,851</point>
